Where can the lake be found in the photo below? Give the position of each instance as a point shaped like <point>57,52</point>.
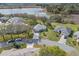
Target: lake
<point>32,11</point>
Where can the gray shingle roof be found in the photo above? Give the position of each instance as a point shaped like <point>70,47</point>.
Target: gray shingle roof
<point>39,28</point>
<point>76,35</point>
<point>16,20</point>
<point>63,30</point>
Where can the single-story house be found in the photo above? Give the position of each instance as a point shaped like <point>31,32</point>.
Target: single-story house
<point>16,20</point>
<point>39,28</point>
<point>16,25</point>
<point>63,30</point>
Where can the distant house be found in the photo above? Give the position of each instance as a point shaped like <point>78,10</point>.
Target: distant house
<point>76,36</point>
<point>16,20</point>
<point>39,28</point>
<point>63,30</point>
<point>4,19</point>
<point>64,33</point>
<point>16,25</point>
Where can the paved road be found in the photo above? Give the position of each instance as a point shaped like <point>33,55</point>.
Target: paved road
<point>49,43</point>
<point>29,51</point>
<point>3,44</point>
<point>54,43</point>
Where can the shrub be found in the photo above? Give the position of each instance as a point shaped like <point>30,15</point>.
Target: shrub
<point>19,45</point>
<point>56,18</point>
<point>71,41</point>
<point>1,50</point>
<point>52,35</point>
<point>51,51</point>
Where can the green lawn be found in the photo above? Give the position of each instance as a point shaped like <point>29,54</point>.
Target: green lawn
<point>51,51</point>
<point>50,34</point>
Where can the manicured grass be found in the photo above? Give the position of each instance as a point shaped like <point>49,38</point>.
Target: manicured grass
<point>52,51</point>
<point>51,35</point>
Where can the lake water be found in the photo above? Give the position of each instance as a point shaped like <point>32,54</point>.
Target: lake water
<point>33,11</point>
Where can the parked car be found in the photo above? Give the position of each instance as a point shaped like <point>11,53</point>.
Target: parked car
<point>11,41</point>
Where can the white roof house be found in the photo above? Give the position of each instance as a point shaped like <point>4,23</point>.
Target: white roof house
<point>16,20</point>
<point>64,33</point>
<point>63,30</point>
<point>17,24</point>
<point>39,28</point>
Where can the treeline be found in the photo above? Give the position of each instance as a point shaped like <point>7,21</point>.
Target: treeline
<point>61,8</point>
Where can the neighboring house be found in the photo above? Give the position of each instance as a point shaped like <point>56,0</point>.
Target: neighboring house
<point>4,19</point>
<point>16,20</point>
<point>76,36</point>
<point>63,31</point>
<point>39,28</point>
<point>16,25</point>
<point>36,30</point>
